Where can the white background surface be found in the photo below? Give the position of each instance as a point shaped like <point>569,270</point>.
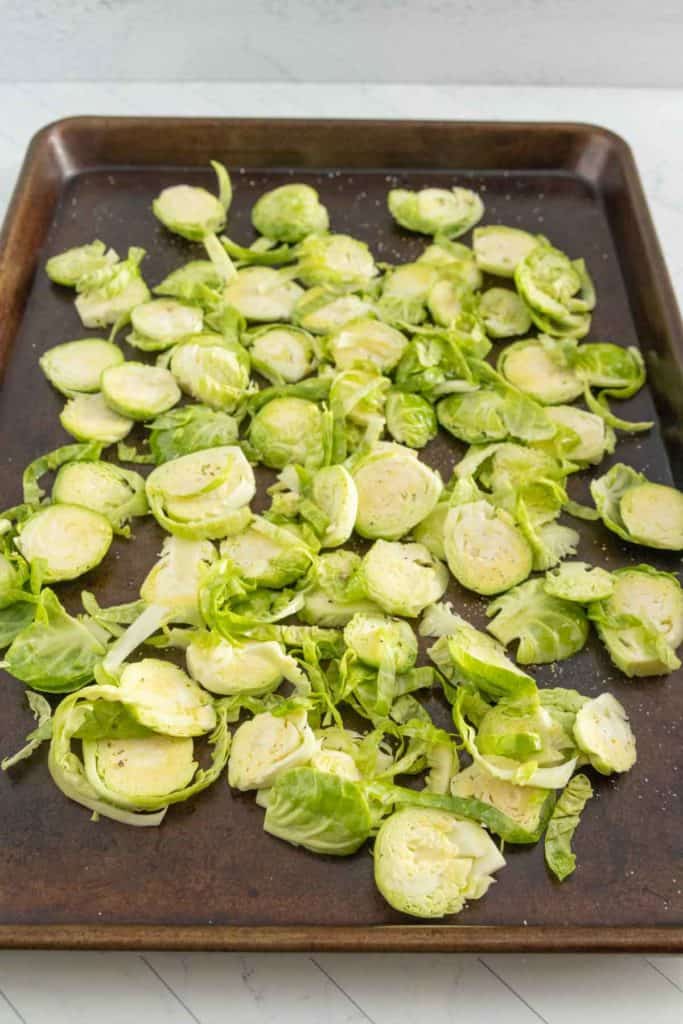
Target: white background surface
<point>155,988</point>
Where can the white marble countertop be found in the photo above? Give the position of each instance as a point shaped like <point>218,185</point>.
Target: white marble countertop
<point>70,988</point>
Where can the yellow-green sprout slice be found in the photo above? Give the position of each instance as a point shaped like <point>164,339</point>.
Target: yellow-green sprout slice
<point>253,667</point>
<point>262,294</point>
<point>67,541</point>
<point>359,396</point>
<point>188,283</point>
<point>378,640</point>
<point>267,554</point>
<point>638,510</point>
<point>403,578</point>
<point>336,593</point>
<point>118,494</point>
<point>431,211</point>
<point>268,745</point>
<point>108,295</point>
<point>411,420</point>
<point>76,366</point>
<point>290,213</point>
<point>541,367</point>
<point>602,731</point>
<point>367,341</point>
<point>580,582</point>
<point>494,413</point>
<point>504,314</point>
<point>204,494</point>
<point>336,261</point>
<point>214,371</point>
<point>288,431</point>
<point>548,628</point>
<point>499,249</point>
<point>320,811</point>
<point>194,212</point>
<point>527,808</point>
<point>173,583</point>
<point>89,418</point>
<point>134,772</point>
<point>334,491</point>
<point>485,549</point>
<point>321,311</point>
<point>481,660</point>
<point>448,298</point>
<point>160,323</point>
<point>404,292</point>
<point>552,285</point>
<point>336,762</point>
<point>588,438</point>
<point>162,697</point>
<point>69,267</point>
<point>139,391</point>
<point>428,863</point>
<point>395,491</point>
<point>283,355</point>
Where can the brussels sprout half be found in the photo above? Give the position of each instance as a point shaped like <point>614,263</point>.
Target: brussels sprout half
<point>403,578</point>
<point>499,249</point>
<point>116,493</point>
<point>193,212</point>
<point>289,213</point>
<point>367,341</point>
<point>76,366</point>
<point>65,541</point>
<point>603,733</point>
<point>288,431</point>
<point>436,210</point>
<point>377,640</point>
<point>160,696</point>
<point>485,549</point>
<point>638,510</point>
<point>395,491</point>
<point>139,391</point>
<point>262,294</point>
<point>160,323</point>
<point>212,370</point>
<point>267,554</point>
<point>254,667</point>
<point>267,746</point>
<point>89,418</point>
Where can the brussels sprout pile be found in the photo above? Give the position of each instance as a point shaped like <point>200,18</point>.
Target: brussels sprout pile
<point>296,626</point>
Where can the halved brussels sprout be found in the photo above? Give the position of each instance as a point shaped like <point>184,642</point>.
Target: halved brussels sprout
<point>89,418</point>
<point>288,431</point>
<point>283,355</point>
<point>108,294</point>
<point>499,249</point>
<point>579,581</point>
<point>76,366</point>
<point>336,762</point>
<point>601,364</point>
<point>204,494</point>
<point>485,549</point>
<point>504,314</point>
<point>403,578</point>
<point>335,261</point>
<point>583,436</point>
<point>267,554</point>
<point>193,212</point>
<point>494,414</point>
<point>321,311</point>
<point>557,291</point>
<point>254,667</point>
<point>139,391</point>
<point>64,540</point>
<point>548,628</point>
<point>395,491</point>
<point>603,733</point>
<point>118,494</point>
<point>410,419</point>
<point>359,396</point>
<point>367,341</point>
<point>638,510</point>
<point>482,661</point>
<point>320,811</point>
<point>146,768</point>
<point>212,370</point>
<point>69,267</point>
<point>189,282</point>
<point>160,323</point>
<point>162,697</point>
<point>428,863</point>
<point>448,298</point>
<point>267,746</point>
<point>543,368</point>
<point>263,294</point>
<point>289,213</point>
<point>404,292</point>
<point>336,593</point>
<point>528,807</point>
<point>334,491</point>
<point>378,640</point>
<point>431,211</point>
<point>190,429</point>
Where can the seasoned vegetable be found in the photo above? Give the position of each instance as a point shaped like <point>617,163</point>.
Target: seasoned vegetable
<point>436,210</point>
<point>548,628</point>
<point>288,431</point>
<point>223,667</point>
<point>212,370</point>
<point>64,541</point>
<point>139,391</point>
<point>376,639</point>
<point>267,554</point>
<point>367,341</point>
<point>395,491</point>
<point>162,697</point>
<point>160,323</point>
<point>289,213</point>
<point>603,733</point>
<point>410,419</point>
<point>499,249</point>
<point>89,418</point>
<point>403,578</point>
<point>190,429</point>
<point>118,494</point>
<point>638,510</point>
<point>69,267</point>
<point>542,367</point>
<point>485,549</point>
<point>283,355</point>
<point>262,294</point>
<point>579,581</point>
<point>267,746</point>
<point>193,212</point>
<point>504,314</point>
<point>76,366</point>
<point>319,810</point>
<point>335,261</point>
<point>528,808</point>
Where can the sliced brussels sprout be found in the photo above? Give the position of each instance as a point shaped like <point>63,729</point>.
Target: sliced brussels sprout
<point>359,396</point>
<point>377,639</point>
<point>431,211</point>
<point>267,746</point>
<point>193,212</point>
<point>212,370</point>
<point>321,311</point>
<point>482,661</point>
<point>557,291</point>
<point>499,249</point>
<point>66,540</point>
<point>428,863</point>
<point>395,491</point>
<point>288,431</point>
<point>579,581</point>
<point>494,414</point>
<point>76,366</point>
<point>584,437</point>
<point>639,511</point>
<point>107,295</point>
<point>367,341</point>
<point>69,267</point>
<point>190,281</point>
<point>319,810</point>
<point>543,368</point>
<point>485,549</point>
<point>335,261</point>
<point>173,583</point>
<point>528,808</point>
<point>404,292</point>
<point>283,355</point>
<point>563,824</point>
<point>604,365</point>
<point>89,418</point>
<point>548,628</point>
<point>504,314</point>
<point>410,419</point>
<point>334,492</point>
<point>204,494</point>
<point>403,578</point>
<point>116,493</point>
<point>263,294</point>
<point>335,595</point>
<point>289,213</point>
<point>336,762</point>
<point>162,697</point>
<point>222,667</point>
<point>160,323</point>
<point>436,362</point>
<point>430,531</point>
<point>139,391</point>
<point>190,429</point>
<point>447,299</point>
<point>147,768</point>
<point>267,554</point>
<point>603,733</point>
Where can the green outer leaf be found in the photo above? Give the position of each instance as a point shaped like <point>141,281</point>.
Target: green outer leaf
<point>318,810</point>
<point>548,628</point>
<point>42,712</point>
<point>563,824</point>
<point>52,461</point>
